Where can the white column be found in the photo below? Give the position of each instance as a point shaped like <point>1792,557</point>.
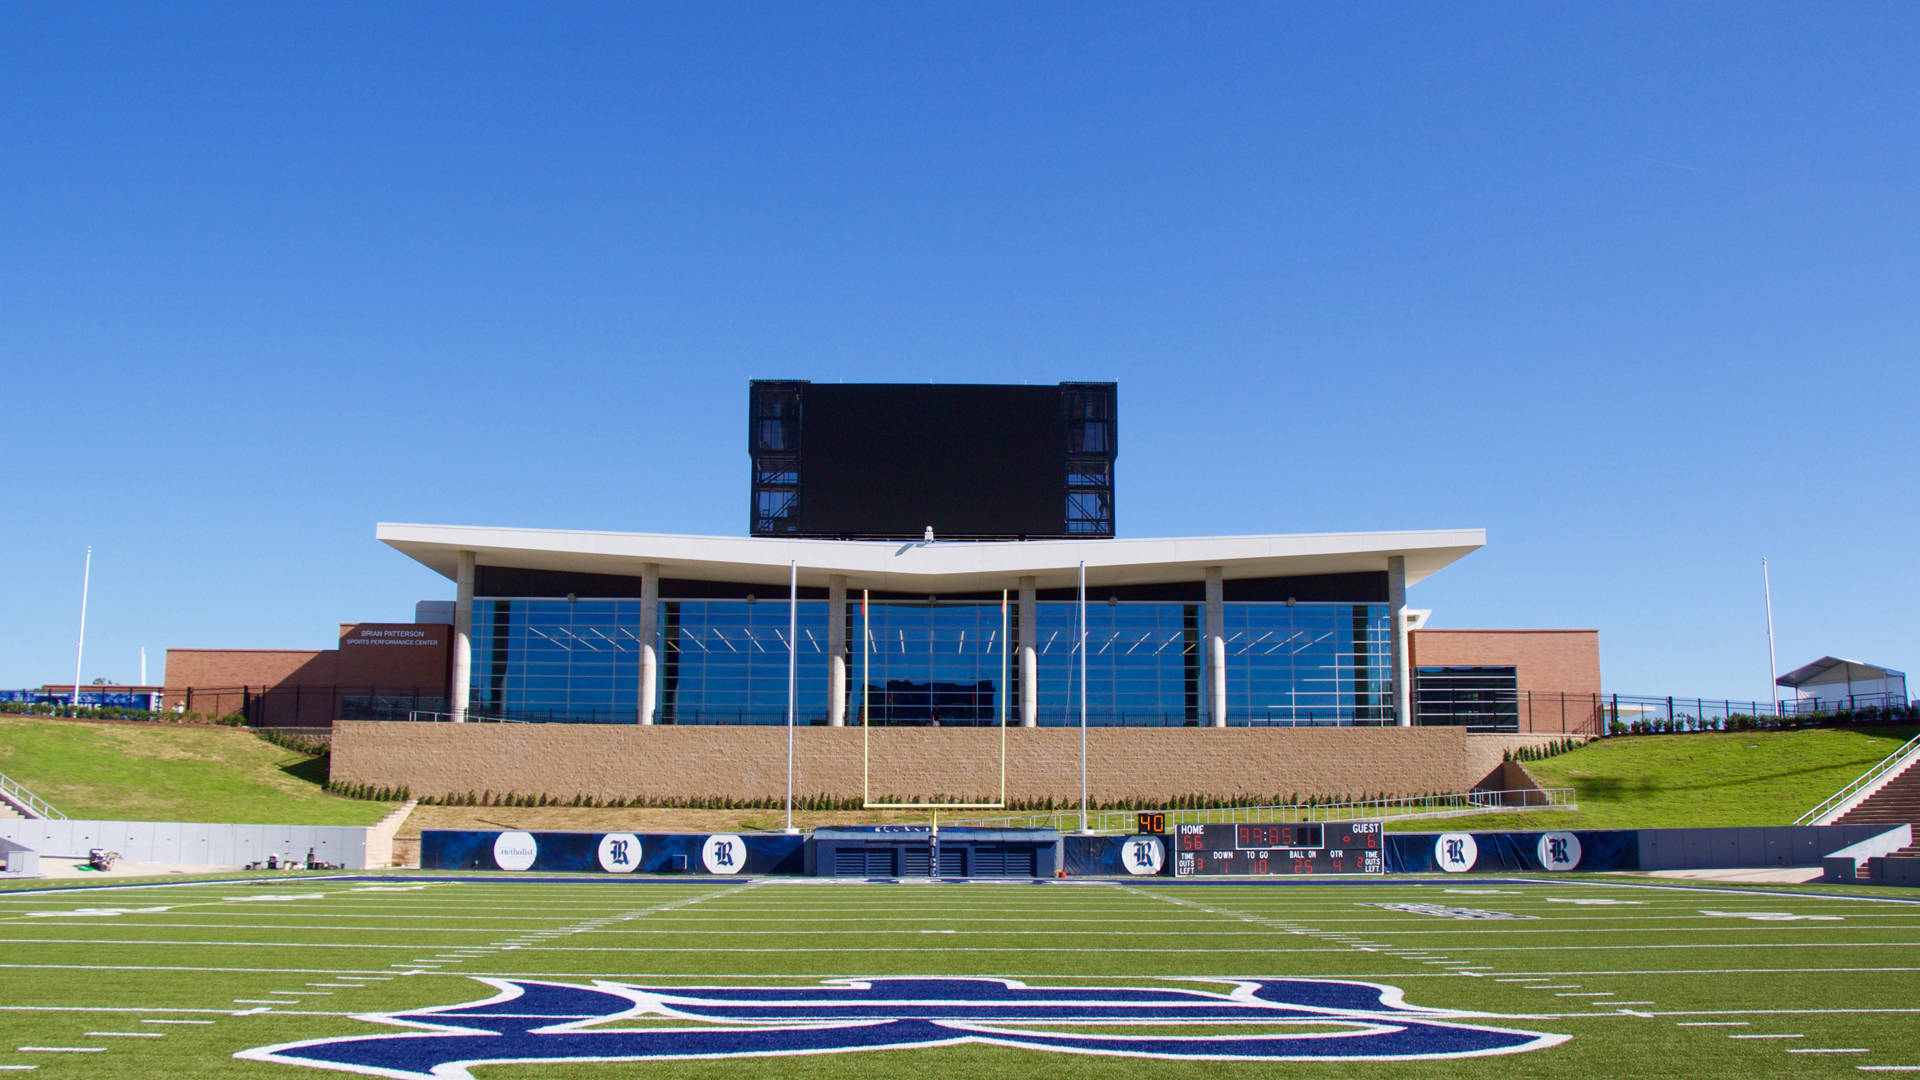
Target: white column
<point>460,685</point>
<point>649,641</point>
<point>837,650</point>
<point>1216,639</point>
<point>1397,611</point>
<point>1029,657</point>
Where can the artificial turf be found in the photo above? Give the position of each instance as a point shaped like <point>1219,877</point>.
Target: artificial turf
<point>1643,979</point>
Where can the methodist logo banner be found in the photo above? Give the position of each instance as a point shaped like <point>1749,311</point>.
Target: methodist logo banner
<point>1257,1020</point>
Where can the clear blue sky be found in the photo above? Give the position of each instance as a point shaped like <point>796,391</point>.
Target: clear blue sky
<point>1633,287</point>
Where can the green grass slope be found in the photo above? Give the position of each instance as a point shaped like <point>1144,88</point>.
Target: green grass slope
<point>165,772</point>
<point>1682,781</point>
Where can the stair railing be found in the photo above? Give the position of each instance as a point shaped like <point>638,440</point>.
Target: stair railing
<point>33,805</point>
<point>1892,761</point>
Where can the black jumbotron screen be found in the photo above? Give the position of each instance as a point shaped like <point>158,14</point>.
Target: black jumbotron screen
<point>982,460</point>
<point>890,460</point>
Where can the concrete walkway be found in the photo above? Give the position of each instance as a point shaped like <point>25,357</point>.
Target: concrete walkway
<point>1790,874</point>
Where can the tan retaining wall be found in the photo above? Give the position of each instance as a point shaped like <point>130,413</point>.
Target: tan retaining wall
<point>625,761</point>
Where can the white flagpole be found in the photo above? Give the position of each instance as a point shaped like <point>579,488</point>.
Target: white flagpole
<point>86,576</point>
<point>1083,696</point>
<point>793,671</point>
<point>1773,670</point>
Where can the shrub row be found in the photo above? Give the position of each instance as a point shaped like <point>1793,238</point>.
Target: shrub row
<point>374,792</point>
<point>1544,751</point>
<point>824,801</point>
<point>302,744</point>
<point>1683,723</point>
<point>115,712</point>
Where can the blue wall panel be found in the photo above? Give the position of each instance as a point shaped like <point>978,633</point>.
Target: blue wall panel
<point>1515,852</point>
<point>449,849</point>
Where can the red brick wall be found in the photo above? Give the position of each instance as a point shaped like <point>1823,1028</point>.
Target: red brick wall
<point>396,656</point>
<point>388,657</point>
<point>1558,671</point>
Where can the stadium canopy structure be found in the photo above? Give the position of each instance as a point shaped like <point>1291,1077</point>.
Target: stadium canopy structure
<point>1303,628</point>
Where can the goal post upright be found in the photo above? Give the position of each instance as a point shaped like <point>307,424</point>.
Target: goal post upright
<point>866,721</point>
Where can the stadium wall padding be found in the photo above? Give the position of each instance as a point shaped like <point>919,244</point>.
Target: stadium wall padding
<point>1099,856</point>
<point>568,852</point>
<point>1637,849</point>
<point>191,843</point>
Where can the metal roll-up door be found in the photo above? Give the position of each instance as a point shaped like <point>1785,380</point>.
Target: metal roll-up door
<point>916,861</point>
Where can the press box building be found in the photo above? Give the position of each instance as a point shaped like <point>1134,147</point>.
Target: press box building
<point>934,539</point>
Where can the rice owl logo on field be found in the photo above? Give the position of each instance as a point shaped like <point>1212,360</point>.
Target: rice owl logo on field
<point>527,1022</point>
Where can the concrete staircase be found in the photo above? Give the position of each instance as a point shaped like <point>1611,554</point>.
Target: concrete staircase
<point>18,802</point>
<point>1898,802</point>
<point>380,835</point>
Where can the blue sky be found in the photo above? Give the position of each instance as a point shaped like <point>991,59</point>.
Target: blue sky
<point>1633,287</point>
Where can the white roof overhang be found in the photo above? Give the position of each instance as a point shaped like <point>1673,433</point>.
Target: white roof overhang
<point>1835,669</point>
<point>937,567</point>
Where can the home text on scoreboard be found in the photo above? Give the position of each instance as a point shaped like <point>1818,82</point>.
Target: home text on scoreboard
<point>1315,847</point>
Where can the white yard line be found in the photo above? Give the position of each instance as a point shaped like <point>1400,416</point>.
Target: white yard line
<point>127,1034</point>
<point>1766,1036</point>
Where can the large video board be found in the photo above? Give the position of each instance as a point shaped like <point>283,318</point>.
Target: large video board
<point>893,460</point>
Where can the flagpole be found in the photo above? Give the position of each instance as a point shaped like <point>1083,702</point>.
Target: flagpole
<point>1773,669</point>
<point>1005,629</point>
<point>793,671</point>
<point>79,650</point>
<point>1083,696</point>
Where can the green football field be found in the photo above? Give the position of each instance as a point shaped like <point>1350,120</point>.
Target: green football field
<point>1468,977</point>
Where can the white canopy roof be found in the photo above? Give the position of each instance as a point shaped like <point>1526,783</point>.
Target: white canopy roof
<point>953,566</point>
<point>1833,669</point>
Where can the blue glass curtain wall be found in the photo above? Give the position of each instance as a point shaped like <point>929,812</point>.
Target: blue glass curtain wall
<point>947,663</point>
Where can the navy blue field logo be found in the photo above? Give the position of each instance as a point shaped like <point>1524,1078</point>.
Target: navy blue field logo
<point>529,1022</point>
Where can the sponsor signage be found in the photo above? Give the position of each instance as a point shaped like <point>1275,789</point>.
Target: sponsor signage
<point>515,850</point>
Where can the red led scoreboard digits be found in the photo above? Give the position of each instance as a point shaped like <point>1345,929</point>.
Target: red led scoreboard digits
<point>1332,847</point>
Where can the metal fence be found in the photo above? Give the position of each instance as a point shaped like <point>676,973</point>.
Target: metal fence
<point>1478,710</point>
<point>306,706</point>
<point>1543,712</point>
<point>1381,809</point>
<point>1694,713</point>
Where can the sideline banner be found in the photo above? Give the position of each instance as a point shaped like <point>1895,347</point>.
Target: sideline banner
<point>1590,850</point>
<point>612,853</point>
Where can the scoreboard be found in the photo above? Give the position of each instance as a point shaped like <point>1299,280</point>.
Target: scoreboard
<point>1307,847</point>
